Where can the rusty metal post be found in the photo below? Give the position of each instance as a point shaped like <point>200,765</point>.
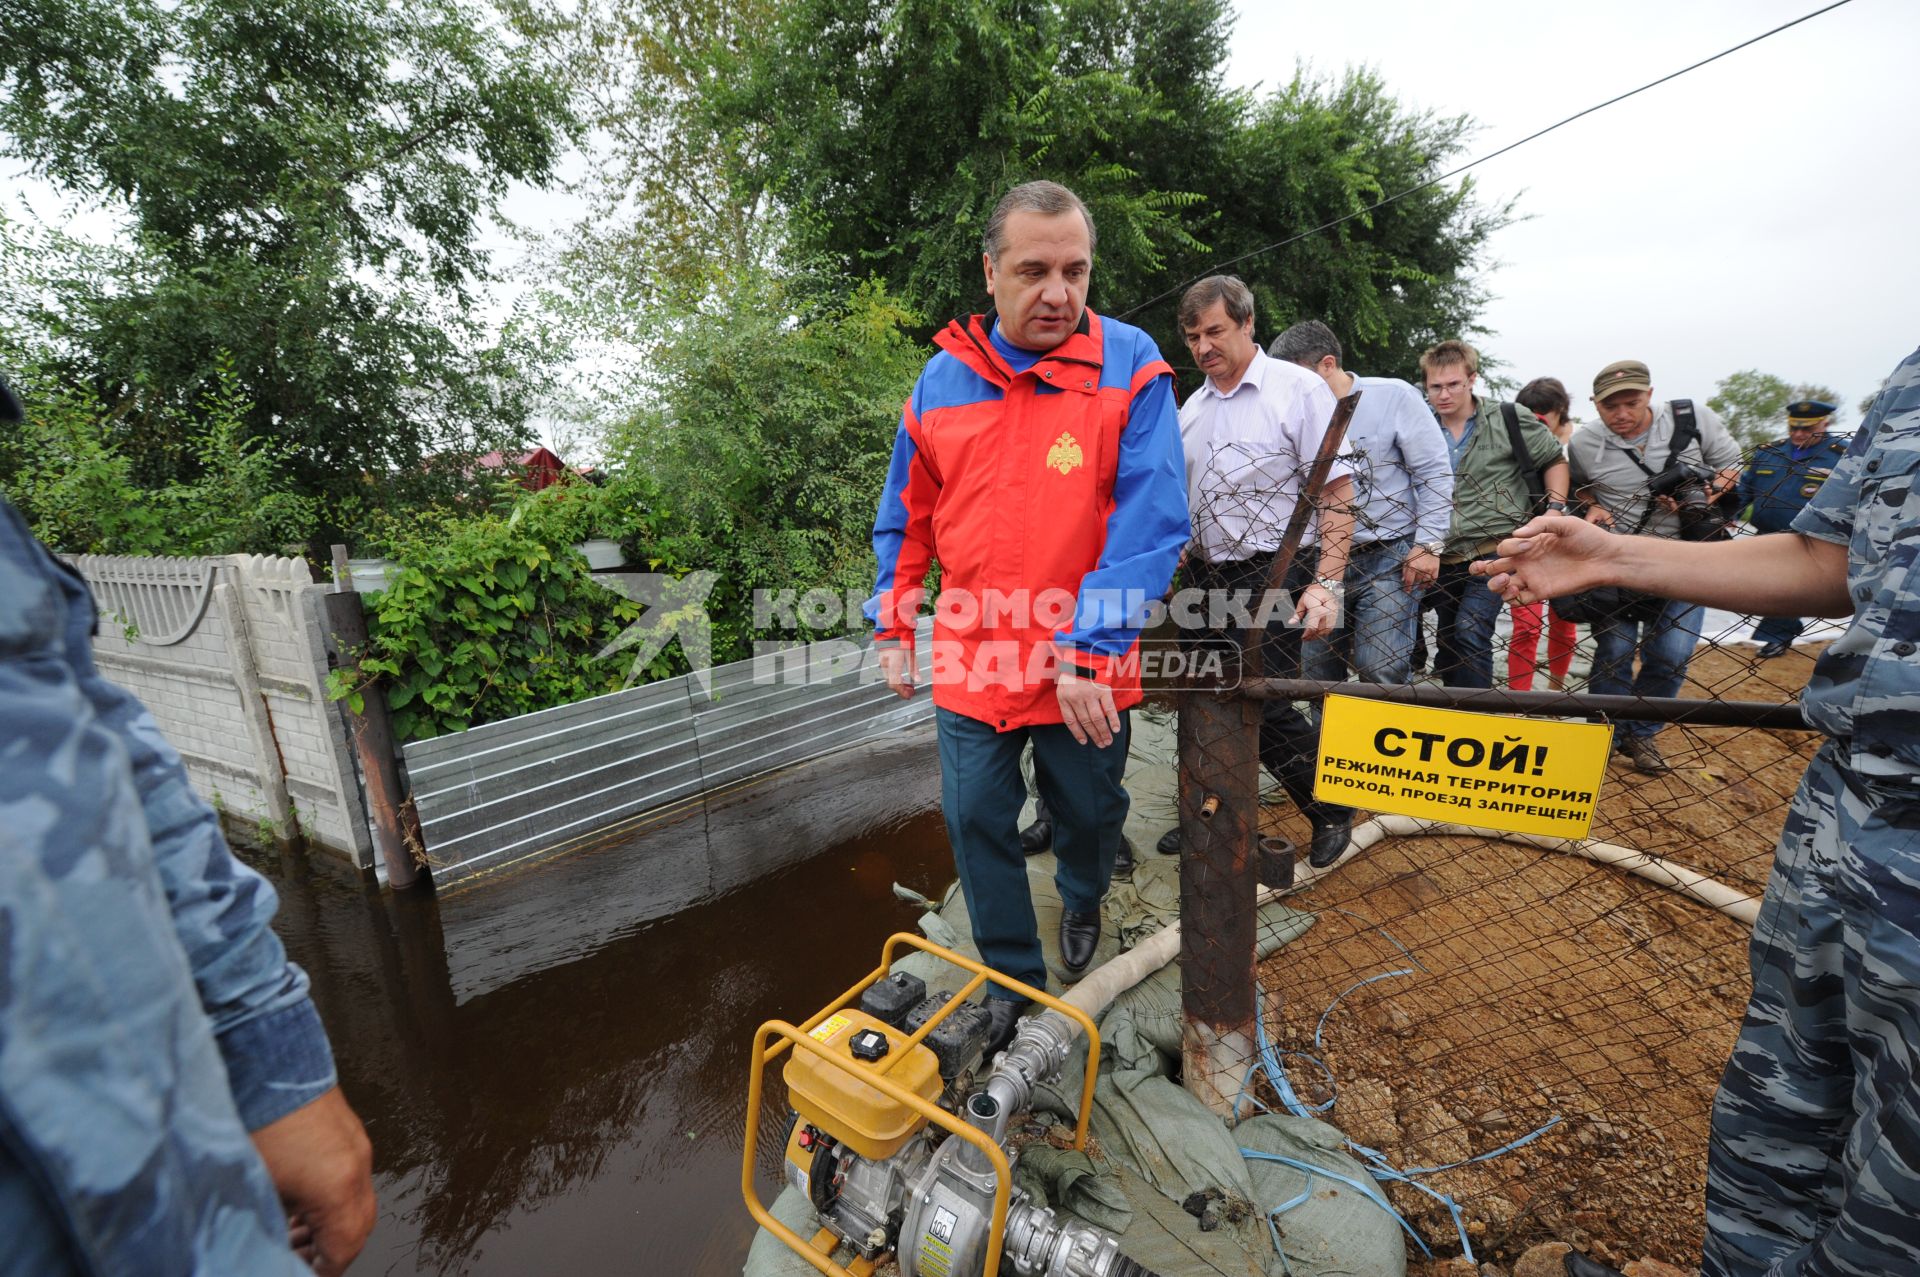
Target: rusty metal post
<point>395,826</point>
<point>1219,745</point>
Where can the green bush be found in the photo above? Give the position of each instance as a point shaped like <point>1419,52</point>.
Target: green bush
<point>770,436</point>
<point>492,614</point>
<point>71,472</point>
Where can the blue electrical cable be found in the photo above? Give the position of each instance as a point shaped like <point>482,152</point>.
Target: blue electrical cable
<point>1361,984</point>
<point>1370,1192</point>
<point>1270,1062</point>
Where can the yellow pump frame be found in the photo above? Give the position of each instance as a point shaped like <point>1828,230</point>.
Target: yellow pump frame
<point>786,1035</point>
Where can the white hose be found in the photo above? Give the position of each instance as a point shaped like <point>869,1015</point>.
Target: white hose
<point>1108,981</point>
<point>1736,904</point>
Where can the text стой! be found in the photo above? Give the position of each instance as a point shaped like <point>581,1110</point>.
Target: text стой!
<point>1526,775</point>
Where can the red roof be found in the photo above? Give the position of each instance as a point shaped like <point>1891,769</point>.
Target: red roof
<point>539,468</point>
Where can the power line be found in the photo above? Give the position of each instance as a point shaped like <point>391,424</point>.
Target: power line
<point>1493,155</point>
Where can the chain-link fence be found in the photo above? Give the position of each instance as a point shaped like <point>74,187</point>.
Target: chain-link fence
<point>1519,1035</point>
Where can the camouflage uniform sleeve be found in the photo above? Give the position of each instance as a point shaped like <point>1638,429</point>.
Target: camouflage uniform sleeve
<point>269,1034</point>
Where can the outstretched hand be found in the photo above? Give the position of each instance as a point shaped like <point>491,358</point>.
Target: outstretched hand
<point>1548,557</point>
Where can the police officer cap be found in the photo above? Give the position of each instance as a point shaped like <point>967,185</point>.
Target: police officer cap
<point>1809,410</point>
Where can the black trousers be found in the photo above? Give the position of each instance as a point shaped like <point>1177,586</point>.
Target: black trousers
<point>1289,739</point>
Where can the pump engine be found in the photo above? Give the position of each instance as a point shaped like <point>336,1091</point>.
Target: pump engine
<point>890,1136</point>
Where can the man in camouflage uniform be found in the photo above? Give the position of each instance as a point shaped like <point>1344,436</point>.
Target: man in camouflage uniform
<point>1814,1163</point>
<point>167,1096</point>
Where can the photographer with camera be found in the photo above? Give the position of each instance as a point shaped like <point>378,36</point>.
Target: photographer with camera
<point>1665,469</point>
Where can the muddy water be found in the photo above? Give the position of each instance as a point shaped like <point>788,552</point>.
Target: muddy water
<point>585,1119</point>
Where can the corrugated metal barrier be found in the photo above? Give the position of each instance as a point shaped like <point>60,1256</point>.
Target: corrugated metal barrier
<point>548,781</point>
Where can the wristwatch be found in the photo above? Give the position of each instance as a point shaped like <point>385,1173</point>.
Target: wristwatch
<point>1560,506</point>
<point>1331,586</point>
<point>1435,548</point>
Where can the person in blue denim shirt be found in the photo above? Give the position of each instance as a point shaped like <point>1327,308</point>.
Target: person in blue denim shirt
<point>1403,501</point>
<point>1813,1160</point>
<point>167,1095</point>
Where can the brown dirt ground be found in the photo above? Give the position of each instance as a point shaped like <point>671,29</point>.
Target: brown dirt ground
<point>1551,987</point>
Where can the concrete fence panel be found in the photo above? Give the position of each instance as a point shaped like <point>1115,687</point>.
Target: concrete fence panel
<point>228,654</point>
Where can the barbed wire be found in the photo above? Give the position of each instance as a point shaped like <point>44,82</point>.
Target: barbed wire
<point>1547,1029</point>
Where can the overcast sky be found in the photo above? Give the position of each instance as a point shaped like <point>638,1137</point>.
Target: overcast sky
<point>1761,212</point>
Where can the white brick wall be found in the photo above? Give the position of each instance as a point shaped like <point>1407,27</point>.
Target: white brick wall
<point>192,682</point>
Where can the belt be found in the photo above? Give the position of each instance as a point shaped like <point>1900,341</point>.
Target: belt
<point>1480,551</point>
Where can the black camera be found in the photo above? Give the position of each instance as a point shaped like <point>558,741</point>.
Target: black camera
<point>1702,518</point>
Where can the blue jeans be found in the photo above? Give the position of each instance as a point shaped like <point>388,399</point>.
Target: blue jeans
<point>1375,638</point>
<point>982,791</point>
<point>1465,610</point>
<point>1665,645</point>
<point>1779,629</point>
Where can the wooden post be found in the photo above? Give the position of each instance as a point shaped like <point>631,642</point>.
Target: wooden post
<point>395,827</point>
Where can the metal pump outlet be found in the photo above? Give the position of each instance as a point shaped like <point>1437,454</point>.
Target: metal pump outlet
<point>902,1155</point>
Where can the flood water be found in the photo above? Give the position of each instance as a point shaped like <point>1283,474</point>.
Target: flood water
<point>587,1118</point>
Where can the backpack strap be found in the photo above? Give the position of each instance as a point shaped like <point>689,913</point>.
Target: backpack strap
<point>1686,430</point>
<point>1522,457</point>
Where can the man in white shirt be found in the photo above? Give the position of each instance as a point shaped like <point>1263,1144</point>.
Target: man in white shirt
<point>1251,433</point>
<point>1403,493</point>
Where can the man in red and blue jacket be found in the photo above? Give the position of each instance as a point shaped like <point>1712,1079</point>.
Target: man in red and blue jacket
<point>1038,461</point>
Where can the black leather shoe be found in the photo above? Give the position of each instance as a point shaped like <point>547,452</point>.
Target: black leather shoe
<point>1330,839</point>
<point>1169,844</point>
<point>1003,1021</point>
<point>1079,934</point>
<point>1770,650</point>
<point>1578,1265</point>
<point>1123,859</point>
<point>1037,837</point>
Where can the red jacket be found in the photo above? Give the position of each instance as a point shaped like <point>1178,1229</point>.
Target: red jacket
<point>1053,497</point>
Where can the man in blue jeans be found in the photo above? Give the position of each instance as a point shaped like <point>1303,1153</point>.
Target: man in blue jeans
<point>1812,1168</point>
<point>1038,462</point>
<point>1492,495</point>
<point>1614,459</point>
<point>1403,499</point>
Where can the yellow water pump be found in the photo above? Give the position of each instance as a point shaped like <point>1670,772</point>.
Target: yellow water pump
<point>897,1150</point>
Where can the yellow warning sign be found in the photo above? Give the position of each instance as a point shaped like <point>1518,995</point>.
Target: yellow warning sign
<point>1527,775</point>
<point>830,1028</point>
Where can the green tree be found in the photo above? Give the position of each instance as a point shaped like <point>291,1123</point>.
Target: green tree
<point>1754,404</point>
<point>766,442</point>
<point>302,184</point>
<point>873,137</point>
<point>1390,282</point>
<point>897,124</point>
<point>676,210</point>
<point>68,470</point>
